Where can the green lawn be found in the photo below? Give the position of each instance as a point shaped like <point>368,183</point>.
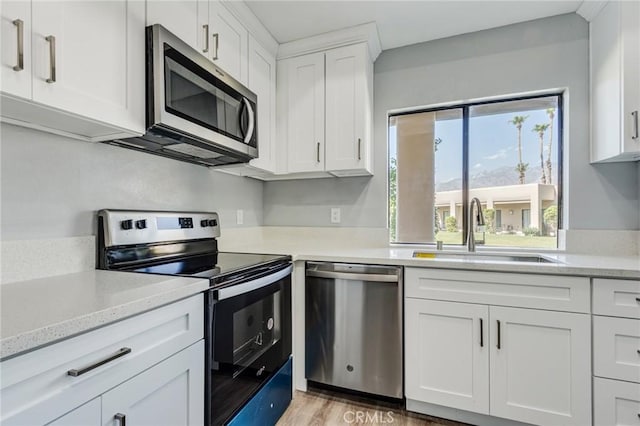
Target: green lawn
<point>501,240</point>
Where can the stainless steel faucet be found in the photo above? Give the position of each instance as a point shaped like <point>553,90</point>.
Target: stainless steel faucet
<point>479,217</point>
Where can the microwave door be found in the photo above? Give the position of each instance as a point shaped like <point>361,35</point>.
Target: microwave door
<point>191,97</point>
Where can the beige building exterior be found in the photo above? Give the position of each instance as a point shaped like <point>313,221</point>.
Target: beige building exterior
<point>516,206</point>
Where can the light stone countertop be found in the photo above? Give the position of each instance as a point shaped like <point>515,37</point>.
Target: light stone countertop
<point>568,264</point>
<point>45,310</point>
<point>625,267</point>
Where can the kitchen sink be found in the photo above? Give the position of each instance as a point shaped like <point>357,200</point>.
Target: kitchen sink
<point>483,257</point>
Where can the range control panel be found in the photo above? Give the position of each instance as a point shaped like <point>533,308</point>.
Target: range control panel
<point>126,227</point>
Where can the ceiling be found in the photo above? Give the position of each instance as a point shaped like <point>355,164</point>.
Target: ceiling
<point>400,22</point>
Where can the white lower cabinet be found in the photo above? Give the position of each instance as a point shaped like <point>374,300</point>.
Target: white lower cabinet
<point>527,365</point>
<point>86,414</point>
<point>148,368</point>
<point>447,354</point>
<point>616,352</point>
<point>170,393</point>
<point>540,364</point>
<point>616,403</point>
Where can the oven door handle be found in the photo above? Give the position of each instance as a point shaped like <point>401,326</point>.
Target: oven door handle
<point>249,286</point>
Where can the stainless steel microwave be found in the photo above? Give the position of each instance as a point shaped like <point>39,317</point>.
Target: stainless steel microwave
<point>196,112</point>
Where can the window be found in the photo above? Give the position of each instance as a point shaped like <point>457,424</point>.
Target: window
<point>505,153</point>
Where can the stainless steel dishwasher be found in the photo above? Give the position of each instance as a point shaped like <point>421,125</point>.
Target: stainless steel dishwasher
<point>353,327</point>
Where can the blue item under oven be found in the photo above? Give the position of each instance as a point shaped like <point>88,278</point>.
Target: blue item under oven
<point>268,405</point>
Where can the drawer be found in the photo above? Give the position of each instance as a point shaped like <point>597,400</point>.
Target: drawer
<point>560,293</point>
<point>617,298</point>
<point>615,403</point>
<point>36,386</point>
<point>616,346</point>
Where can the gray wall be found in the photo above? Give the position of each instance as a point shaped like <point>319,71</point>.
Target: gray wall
<point>52,185</point>
<point>538,55</point>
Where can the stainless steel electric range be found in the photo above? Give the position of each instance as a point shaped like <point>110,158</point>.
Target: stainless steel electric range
<point>248,306</point>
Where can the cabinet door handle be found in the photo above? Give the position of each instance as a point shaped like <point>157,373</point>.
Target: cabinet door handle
<point>634,114</point>
<point>481,334</point>
<point>359,149</point>
<point>499,337</point>
<point>79,372</point>
<point>318,152</point>
<point>20,26</point>
<point>52,58</point>
<point>638,299</point>
<point>205,28</point>
<point>216,38</point>
<point>121,418</point>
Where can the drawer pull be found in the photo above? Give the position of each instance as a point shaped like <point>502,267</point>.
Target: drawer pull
<point>121,418</point>
<point>638,299</point>
<point>121,352</point>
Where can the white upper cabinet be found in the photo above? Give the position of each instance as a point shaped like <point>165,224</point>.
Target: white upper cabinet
<point>303,81</point>
<point>325,103</point>
<point>88,57</point>
<point>615,82</point>
<point>262,82</point>
<point>187,20</point>
<point>229,41</point>
<point>84,68</point>
<point>349,103</point>
<point>16,48</point>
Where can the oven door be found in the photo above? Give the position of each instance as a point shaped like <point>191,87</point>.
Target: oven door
<point>249,339</point>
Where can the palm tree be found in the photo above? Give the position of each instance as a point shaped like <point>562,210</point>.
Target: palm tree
<point>540,129</point>
<point>551,112</point>
<point>521,167</point>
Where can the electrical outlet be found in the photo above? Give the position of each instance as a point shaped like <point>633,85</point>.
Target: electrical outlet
<point>335,215</point>
<point>239,217</point>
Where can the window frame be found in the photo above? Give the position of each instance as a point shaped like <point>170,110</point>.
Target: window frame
<point>465,107</point>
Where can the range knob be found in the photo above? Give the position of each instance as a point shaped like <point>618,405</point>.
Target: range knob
<point>126,224</point>
<point>204,223</point>
<point>141,224</point>
<point>213,222</point>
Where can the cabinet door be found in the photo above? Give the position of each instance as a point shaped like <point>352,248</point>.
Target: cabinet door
<point>16,34</point>
<point>85,415</point>
<point>630,22</point>
<point>262,82</point>
<point>348,107</point>
<point>187,20</point>
<point>305,114</point>
<point>229,41</point>
<point>88,59</point>
<point>540,364</point>
<point>446,354</point>
<point>170,393</point>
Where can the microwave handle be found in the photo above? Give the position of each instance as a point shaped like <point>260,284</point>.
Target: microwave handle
<point>252,121</point>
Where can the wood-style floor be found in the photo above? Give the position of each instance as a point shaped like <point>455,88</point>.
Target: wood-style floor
<point>327,408</point>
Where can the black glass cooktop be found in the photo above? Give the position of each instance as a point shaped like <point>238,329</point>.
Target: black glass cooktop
<point>213,266</point>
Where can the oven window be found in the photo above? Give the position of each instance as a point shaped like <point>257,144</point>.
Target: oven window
<point>204,101</point>
<point>256,328</point>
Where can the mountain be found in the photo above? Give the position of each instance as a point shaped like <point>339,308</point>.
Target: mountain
<point>501,176</point>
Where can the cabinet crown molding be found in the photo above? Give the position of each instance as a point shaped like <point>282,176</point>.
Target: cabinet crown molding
<point>589,9</point>
<point>367,33</point>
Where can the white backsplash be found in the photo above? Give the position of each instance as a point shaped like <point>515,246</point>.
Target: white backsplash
<point>30,259</point>
<point>604,242</point>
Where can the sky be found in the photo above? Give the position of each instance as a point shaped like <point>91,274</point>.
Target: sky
<point>493,143</point>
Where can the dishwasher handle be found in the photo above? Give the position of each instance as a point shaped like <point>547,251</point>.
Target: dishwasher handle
<point>353,276</point>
